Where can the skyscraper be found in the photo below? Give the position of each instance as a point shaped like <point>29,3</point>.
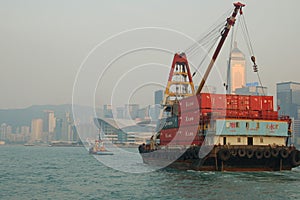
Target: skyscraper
<point>288,99</point>
<point>4,131</point>
<point>49,121</point>
<point>58,129</point>
<point>237,69</point>
<point>67,123</point>
<point>36,129</point>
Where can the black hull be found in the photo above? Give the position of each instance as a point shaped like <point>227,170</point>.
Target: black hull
<point>225,158</point>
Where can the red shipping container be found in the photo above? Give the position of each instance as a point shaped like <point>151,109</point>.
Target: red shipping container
<point>187,132</point>
<point>188,104</point>
<point>167,135</point>
<point>189,118</point>
<point>266,114</point>
<point>181,136</point>
<point>270,115</point>
<point>232,102</point>
<point>187,136</point>
<point>205,100</point>
<point>243,113</point>
<point>232,114</point>
<point>267,103</point>
<point>254,114</point>
<point>212,114</point>
<point>255,103</point>
<point>218,101</point>
<point>201,101</point>
<point>275,114</point>
<point>243,102</point>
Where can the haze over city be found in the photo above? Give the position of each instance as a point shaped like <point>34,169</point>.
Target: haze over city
<point>44,43</point>
<point>114,99</point>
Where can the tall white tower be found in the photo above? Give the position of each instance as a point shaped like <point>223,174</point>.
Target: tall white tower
<point>237,69</point>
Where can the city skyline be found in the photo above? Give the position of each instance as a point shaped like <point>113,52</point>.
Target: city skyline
<point>44,44</point>
<point>46,129</point>
<point>52,127</point>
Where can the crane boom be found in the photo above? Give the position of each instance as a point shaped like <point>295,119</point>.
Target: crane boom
<point>230,22</point>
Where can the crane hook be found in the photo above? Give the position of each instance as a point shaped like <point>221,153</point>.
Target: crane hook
<point>254,64</point>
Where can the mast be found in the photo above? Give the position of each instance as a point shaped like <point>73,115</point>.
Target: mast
<point>230,22</point>
<point>180,83</point>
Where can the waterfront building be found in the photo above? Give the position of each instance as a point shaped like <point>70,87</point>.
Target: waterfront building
<point>125,131</point>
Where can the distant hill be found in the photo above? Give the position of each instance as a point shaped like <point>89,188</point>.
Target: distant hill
<point>23,117</point>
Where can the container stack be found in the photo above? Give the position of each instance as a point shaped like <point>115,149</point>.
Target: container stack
<point>230,106</point>
<point>196,110</point>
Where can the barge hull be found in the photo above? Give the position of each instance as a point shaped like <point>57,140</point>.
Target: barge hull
<point>217,160</point>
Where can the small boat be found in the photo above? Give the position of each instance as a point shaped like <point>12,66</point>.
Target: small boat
<point>99,149</point>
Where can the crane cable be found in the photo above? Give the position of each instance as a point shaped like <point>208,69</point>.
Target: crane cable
<point>211,30</point>
<point>208,41</point>
<point>204,57</point>
<point>205,40</point>
<point>250,48</point>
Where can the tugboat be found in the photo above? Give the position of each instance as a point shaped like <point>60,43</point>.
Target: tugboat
<point>218,132</point>
<point>99,149</point>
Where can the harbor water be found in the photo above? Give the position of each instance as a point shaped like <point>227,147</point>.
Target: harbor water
<point>71,173</point>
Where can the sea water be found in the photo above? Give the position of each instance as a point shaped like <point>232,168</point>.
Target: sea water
<point>71,173</point>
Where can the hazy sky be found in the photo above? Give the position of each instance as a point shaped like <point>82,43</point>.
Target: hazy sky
<point>44,43</point>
